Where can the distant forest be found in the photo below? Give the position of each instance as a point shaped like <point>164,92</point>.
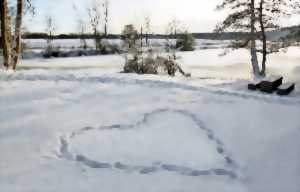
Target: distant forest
<point>272,35</point>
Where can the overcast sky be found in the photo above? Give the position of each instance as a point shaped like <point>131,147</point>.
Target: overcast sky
<point>195,15</point>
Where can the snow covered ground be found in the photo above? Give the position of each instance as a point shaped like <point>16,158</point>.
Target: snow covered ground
<point>77,124</point>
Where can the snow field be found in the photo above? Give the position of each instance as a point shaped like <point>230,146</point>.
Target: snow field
<point>76,124</point>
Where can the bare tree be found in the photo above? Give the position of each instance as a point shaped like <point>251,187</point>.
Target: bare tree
<point>82,30</point>
<point>147,29</point>
<point>106,16</point>
<point>142,36</point>
<point>94,12</point>
<point>50,29</point>
<point>81,26</point>
<point>172,29</point>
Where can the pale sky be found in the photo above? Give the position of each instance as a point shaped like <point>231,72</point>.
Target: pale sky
<point>195,15</point>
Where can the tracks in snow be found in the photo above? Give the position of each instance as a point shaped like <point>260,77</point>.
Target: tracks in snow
<point>151,83</point>
<point>64,150</point>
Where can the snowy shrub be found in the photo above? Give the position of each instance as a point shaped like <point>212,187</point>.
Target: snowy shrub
<point>142,60</point>
<point>150,64</point>
<point>138,63</point>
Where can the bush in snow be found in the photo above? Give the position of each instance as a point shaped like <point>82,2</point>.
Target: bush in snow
<point>140,64</point>
<point>142,60</point>
<point>151,64</point>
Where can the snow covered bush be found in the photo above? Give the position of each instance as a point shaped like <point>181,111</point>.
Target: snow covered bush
<point>137,62</point>
<point>143,60</point>
<point>149,63</point>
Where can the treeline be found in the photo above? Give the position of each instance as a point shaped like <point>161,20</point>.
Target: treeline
<point>213,36</point>
<point>65,36</point>
<point>272,35</point>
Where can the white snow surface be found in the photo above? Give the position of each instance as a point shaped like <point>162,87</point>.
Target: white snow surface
<point>77,124</point>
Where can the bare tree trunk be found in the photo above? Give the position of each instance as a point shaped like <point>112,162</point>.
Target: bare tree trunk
<point>6,34</point>
<point>141,36</point>
<point>147,39</point>
<point>106,17</point>
<point>105,30</point>
<point>106,22</point>
<point>18,33</point>
<point>264,39</point>
<point>96,39</point>
<point>253,50</point>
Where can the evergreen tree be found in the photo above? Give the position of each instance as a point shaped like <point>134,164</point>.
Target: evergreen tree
<point>241,18</point>
<point>256,17</point>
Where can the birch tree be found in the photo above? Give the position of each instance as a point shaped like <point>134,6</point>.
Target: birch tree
<point>12,43</point>
<point>6,34</point>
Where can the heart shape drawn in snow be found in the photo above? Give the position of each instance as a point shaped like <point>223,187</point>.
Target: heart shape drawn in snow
<point>164,140</point>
